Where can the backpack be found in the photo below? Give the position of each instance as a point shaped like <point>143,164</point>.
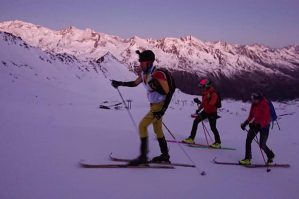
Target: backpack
<point>218,102</point>
<point>272,111</point>
<point>273,114</point>
<point>170,81</point>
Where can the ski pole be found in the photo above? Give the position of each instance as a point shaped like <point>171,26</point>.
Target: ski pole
<point>204,132</point>
<point>207,131</point>
<point>188,156</point>
<point>129,112</point>
<point>124,102</point>
<point>257,141</point>
<point>169,131</point>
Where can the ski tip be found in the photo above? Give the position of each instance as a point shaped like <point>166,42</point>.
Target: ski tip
<point>82,164</point>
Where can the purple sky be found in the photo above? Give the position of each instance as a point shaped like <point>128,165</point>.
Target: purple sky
<point>270,22</point>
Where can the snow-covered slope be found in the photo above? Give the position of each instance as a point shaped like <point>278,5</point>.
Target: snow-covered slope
<point>22,66</point>
<point>50,120</point>
<point>229,65</point>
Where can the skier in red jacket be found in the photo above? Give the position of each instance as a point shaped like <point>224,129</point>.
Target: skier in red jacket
<point>259,122</point>
<point>210,98</point>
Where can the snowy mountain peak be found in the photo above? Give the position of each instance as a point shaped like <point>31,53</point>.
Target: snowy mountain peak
<point>220,61</point>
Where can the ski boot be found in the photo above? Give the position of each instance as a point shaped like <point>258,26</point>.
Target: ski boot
<point>215,145</point>
<point>163,158</point>
<point>245,161</point>
<point>270,160</point>
<point>188,141</point>
<point>142,159</point>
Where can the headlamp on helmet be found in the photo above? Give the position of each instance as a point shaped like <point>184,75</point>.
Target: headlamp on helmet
<point>204,83</point>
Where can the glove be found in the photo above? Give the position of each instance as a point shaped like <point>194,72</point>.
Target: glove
<point>255,126</point>
<point>159,114</point>
<point>243,125</point>
<point>116,84</point>
<point>197,101</point>
<point>197,111</point>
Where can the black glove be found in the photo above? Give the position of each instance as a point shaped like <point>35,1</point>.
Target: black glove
<point>243,125</point>
<point>197,111</point>
<point>159,114</point>
<point>255,126</point>
<point>197,101</point>
<point>116,84</point>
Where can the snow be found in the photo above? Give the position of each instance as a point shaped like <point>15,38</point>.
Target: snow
<point>49,124</point>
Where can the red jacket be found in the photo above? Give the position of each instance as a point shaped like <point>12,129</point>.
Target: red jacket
<point>260,113</point>
<point>209,100</point>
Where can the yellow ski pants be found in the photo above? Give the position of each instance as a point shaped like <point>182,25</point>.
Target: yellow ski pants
<point>150,119</point>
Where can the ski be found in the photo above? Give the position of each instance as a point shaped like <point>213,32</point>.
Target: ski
<point>109,106</point>
<point>110,166</point>
<point>152,163</point>
<point>252,165</point>
<point>200,145</point>
<point>208,147</point>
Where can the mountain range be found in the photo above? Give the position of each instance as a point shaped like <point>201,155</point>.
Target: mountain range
<point>236,70</point>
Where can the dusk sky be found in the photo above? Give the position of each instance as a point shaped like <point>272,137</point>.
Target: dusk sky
<point>270,22</point>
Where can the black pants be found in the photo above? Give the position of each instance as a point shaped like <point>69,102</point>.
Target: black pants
<point>212,117</point>
<point>264,133</point>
